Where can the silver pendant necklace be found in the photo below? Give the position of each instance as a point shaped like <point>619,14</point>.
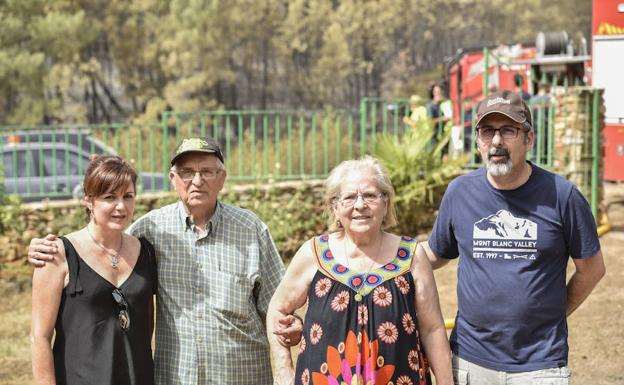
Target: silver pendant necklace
<point>114,258</point>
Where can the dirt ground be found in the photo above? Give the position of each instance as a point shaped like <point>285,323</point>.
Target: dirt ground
<point>596,329</point>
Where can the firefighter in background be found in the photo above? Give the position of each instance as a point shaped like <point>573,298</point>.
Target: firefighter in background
<point>440,109</point>
<point>468,107</point>
<point>418,112</point>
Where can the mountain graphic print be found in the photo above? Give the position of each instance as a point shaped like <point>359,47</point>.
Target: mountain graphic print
<point>504,236</point>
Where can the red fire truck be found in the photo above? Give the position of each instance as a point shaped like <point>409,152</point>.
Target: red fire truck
<point>553,59</point>
<point>607,73</point>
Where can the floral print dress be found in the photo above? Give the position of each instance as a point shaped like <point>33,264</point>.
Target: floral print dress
<point>361,328</point>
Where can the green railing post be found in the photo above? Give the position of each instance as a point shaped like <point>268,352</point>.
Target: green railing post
<point>595,154</point>
<point>588,148</point>
<point>265,144</point>
<point>277,162</point>
<point>486,71</point>
<point>313,144</point>
<point>151,149</point>
<point>325,126</point>
<point>81,166</point>
<point>541,124</point>
<point>535,129</point>
<point>115,139</point>
<point>350,136</point>
<point>289,145</point>
<point>215,127</point>
<point>54,173</point>
<point>30,167</point>
<point>241,171</point>
<point>202,125</point>
<point>128,142</point>
<point>373,124</point>
<point>384,117</point>
<point>228,140</point>
<point>395,120</point>
<point>363,118</point>
<point>139,156</point>
<point>301,144</point>
<point>253,145</point>
<point>338,139</point>
<point>165,142</point>
<point>66,157</point>
<point>551,134</point>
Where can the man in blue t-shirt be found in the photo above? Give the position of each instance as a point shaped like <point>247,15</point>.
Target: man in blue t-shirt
<point>514,225</point>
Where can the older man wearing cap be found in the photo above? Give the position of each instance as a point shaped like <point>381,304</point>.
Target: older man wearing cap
<point>217,269</point>
<point>515,225</point>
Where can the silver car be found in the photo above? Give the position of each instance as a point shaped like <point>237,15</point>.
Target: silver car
<point>42,165</point>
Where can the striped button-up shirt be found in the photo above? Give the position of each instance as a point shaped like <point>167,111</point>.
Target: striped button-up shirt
<point>213,294</point>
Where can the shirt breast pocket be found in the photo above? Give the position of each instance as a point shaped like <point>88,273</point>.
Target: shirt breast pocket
<point>230,294</point>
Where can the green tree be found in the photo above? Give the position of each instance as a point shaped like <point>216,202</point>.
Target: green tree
<point>38,39</point>
<point>110,60</point>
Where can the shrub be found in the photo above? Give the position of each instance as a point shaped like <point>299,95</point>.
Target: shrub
<point>293,214</point>
<point>10,212</point>
<point>420,172</point>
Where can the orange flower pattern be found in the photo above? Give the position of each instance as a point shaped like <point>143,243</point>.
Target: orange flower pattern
<point>316,332</point>
<point>302,345</point>
<point>408,323</point>
<point>322,287</point>
<point>362,315</point>
<point>382,296</point>
<point>387,332</point>
<point>402,283</point>
<point>341,301</point>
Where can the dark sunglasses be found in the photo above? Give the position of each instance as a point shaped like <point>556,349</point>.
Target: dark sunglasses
<point>124,314</point>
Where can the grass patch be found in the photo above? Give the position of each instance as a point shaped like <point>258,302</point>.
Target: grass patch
<point>15,302</point>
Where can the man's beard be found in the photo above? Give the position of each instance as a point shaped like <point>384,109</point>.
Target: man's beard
<point>499,168</point>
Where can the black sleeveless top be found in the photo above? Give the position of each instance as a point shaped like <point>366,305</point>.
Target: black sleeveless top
<point>90,346</point>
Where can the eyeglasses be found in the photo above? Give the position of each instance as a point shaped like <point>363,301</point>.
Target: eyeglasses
<point>486,133</point>
<point>187,174</point>
<point>124,315</point>
<point>348,199</point>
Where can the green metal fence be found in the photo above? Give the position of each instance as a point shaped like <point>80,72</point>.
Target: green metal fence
<point>49,161</point>
<point>272,145</point>
<point>381,116</point>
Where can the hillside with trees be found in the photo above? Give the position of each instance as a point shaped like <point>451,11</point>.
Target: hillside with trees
<point>93,61</point>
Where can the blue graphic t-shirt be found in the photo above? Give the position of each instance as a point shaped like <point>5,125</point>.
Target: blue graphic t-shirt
<point>514,247</point>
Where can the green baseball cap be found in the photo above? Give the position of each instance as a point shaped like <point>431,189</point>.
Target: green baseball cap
<point>200,144</point>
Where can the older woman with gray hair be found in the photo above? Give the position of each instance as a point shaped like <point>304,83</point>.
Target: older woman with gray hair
<point>373,312</point>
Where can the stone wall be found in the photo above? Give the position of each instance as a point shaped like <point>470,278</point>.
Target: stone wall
<point>573,139</point>
<point>292,210</point>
